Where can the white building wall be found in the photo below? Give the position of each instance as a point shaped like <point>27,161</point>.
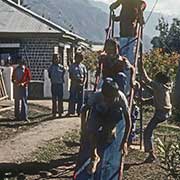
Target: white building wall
<point>7,75</point>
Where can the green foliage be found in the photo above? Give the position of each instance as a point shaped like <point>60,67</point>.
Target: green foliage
<point>169,37</point>
<point>163,28</point>
<point>170,158</point>
<point>156,61</point>
<point>173,38</point>
<point>90,60</point>
<point>176,117</point>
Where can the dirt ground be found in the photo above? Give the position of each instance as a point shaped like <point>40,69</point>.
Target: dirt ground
<point>48,148</point>
<point>20,139</point>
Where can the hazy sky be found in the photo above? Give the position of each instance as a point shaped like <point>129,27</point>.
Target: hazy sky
<point>170,7</point>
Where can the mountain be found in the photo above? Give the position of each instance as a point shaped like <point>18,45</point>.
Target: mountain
<point>88,18</point>
<point>79,16</point>
<point>101,5</point>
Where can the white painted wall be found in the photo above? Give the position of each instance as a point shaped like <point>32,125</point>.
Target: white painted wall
<point>47,85</point>
<point>7,75</point>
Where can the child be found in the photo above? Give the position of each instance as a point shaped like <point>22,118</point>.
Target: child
<point>78,76</point>
<point>112,65</point>
<point>56,74</point>
<point>161,87</point>
<point>107,107</point>
<point>21,78</point>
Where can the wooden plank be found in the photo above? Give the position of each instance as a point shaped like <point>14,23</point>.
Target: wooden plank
<point>3,98</point>
<point>3,92</point>
<point>6,108</point>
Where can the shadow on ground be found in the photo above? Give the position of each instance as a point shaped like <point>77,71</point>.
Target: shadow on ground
<point>60,168</point>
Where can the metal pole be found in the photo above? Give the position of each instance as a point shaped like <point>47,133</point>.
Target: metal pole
<point>141,105</point>
<point>112,33</point>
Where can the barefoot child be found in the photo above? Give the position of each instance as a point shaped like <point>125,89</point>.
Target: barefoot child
<point>107,107</point>
<point>111,64</point>
<point>161,88</point>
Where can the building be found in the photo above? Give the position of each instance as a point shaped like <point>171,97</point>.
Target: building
<point>23,32</point>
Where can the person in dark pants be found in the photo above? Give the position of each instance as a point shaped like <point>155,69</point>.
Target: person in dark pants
<point>21,77</point>
<point>78,76</point>
<point>56,74</point>
<point>130,15</point>
<point>161,88</point>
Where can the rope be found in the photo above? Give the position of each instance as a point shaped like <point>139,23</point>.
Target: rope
<point>152,10</point>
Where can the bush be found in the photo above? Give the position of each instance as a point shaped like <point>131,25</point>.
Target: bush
<point>91,60</point>
<point>170,158</point>
<point>156,60</point>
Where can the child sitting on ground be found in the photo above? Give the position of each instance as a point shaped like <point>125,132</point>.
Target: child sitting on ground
<point>107,107</point>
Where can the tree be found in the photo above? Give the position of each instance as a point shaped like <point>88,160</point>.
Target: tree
<point>173,37</point>
<point>169,36</point>
<point>163,28</point>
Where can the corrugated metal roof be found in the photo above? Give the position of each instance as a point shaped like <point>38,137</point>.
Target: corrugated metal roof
<point>15,18</point>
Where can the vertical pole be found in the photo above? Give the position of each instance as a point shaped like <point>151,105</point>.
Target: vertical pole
<point>141,105</point>
<point>19,2</point>
<point>112,33</point>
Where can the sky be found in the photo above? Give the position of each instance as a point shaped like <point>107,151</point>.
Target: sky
<point>169,7</point>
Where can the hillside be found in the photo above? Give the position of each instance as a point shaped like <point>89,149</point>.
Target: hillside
<point>87,18</point>
<point>79,16</point>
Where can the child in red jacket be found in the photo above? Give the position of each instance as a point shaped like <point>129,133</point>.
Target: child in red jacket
<point>21,78</point>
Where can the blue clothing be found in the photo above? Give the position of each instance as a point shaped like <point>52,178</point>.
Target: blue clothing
<point>20,72</point>
<point>78,75</point>
<point>21,113</point>
<point>76,97</point>
<point>20,96</point>
<point>20,91</point>
<point>104,115</point>
<point>56,73</point>
<point>121,80</point>
<point>128,48</point>
<point>57,91</point>
<point>134,117</point>
<point>159,116</point>
<point>57,98</point>
<point>128,52</point>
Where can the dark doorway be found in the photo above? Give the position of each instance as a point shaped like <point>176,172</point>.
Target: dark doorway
<point>8,56</point>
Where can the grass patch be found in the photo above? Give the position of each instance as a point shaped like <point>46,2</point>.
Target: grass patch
<point>56,148</point>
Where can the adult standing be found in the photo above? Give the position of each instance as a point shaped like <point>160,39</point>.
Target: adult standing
<point>21,78</point>
<point>56,74</point>
<point>78,76</point>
